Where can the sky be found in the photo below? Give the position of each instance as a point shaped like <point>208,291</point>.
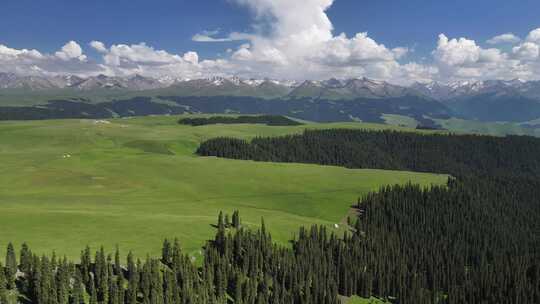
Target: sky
<point>397,41</point>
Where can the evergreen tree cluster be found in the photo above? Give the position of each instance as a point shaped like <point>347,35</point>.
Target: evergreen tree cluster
<point>458,155</point>
<point>239,266</point>
<point>102,278</point>
<point>409,245</point>
<point>476,240</point>
<point>270,120</point>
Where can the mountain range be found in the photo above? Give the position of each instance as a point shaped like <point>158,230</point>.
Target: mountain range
<point>492,100</point>
<point>331,89</point>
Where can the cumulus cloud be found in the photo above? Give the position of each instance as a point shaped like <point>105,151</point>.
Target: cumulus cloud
<point>464,59</point>
<point>507,38</point>
<point>534,36</point>
<point>71,50</point>
<point>527,51</point>
<point>123,59</point>
<point>98,46</point>
<point>70,59</point>
<point>293,40</point>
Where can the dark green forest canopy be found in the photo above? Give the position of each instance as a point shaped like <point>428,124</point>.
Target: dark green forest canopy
<point>476,240</point>
<point>270,120</point>
<point>458,155</point>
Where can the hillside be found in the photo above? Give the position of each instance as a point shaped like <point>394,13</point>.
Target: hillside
<point>135,181</point>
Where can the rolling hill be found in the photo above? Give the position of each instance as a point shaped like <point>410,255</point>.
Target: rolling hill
<point>66,184</point>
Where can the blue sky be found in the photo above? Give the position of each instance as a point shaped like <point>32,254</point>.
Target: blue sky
<point>170,25</point>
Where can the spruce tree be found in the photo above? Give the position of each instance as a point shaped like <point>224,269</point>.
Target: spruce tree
<point>77,293</point>
<point>236,219</point>
<point>117,266</point>
<point>93,293</point>
<point>26,258</point>
<point>11,266</point>
<point>166,253</point>
<point>227,221</point>
<point>86,261</point>
<point>121,293</point>
<point>3,285</point>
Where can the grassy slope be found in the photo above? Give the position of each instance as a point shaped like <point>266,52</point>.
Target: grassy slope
<point>135,181</point>
<point>489,128</point>
<point>400,120</point>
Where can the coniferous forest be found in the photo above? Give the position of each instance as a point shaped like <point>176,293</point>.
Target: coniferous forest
<point>458,155</point>
<point>475,240</point>
<point>270,120</point>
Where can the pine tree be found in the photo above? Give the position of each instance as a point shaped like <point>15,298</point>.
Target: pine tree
<point>93,293</point>
<point>62,281</point>
<point>77,293</point>
<point>166,253</point>
<point>168,287</point>
<point>220,236</point>
<point>238,298</point>
<point>113,292</point>
<point>3,285</point>
<point>117,266</point>
<point>11,266</point>
<point>221,224</point>
<point>121,293</point>
<point>176,255</point>
<point>86,262</point>
<point>227,221</point>
<point>133,280</point>
<point>236,219</point>
<point>26,258</point>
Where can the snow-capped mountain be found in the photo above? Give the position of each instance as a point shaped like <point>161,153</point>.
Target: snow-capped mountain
<point>35,83</point>
<point>12,81</point>
<point>491,100</point>
<point>235,86</point>
<point>332,88</point>
<point>466,89</point>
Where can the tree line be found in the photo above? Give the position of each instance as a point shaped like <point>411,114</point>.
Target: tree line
<point>458,155</point>
<point>270,120</point>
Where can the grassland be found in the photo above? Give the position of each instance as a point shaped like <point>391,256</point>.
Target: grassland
<point>400,120</point>
<point>66,184</point>
<point>488,128</point>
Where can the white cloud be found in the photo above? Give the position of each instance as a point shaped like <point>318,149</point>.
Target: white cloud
<point>527,51</point>
<point>71,50</point>
<point>456,52</point>
<point>9,53</point>
<point>191,57</point>
<point>534,36</point>
<point>507,38</point>
<point>98,46</point>
<point>70,59</point>
<point>464,59</point>
<point>295,39</point>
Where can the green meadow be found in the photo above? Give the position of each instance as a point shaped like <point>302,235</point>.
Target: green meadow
<point>65,184</point>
